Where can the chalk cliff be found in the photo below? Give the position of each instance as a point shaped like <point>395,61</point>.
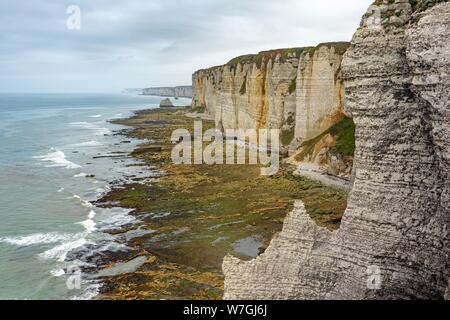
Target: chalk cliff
<point>298,90</point>
<point>394,238</point>
<point>178,92</point>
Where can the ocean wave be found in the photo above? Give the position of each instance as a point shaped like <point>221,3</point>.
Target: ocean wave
<point>91,143</point>
<point>58,159</point>
<point>89,225</point>
<point>37,238</point>
<point>57,272</point>
<point>60,252</point>
<point>89,293</point>
<point>84,203</point>
<point>100,131</point>
<point>91,214</point>
<point>82,124</point>
<point>96,116</point>
<point>91,126</point>
<point>100,191</point>
<point>115,218</point>
<point>87,204</point>
<point>80,175</point>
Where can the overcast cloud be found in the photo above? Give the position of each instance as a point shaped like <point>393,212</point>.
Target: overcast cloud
<point>141,43</point>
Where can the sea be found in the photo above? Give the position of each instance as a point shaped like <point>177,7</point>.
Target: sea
<point>59,153</point>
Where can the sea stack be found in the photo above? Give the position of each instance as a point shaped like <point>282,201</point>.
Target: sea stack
<point>165,103</point>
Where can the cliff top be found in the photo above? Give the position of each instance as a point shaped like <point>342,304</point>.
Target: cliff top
<point>285,53</point>
<point>168,87</point>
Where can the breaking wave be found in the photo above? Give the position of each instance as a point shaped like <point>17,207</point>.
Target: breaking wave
<point>57,158</point>
<point>37,238</point>
<point>91,126</point>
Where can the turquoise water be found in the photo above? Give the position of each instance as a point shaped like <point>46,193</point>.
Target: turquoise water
<point>47,145</point>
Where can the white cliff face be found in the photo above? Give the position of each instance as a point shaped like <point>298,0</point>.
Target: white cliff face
<point>248,94</point>
<point>320,91</point>
<point>394,238</point>
<point>273,90</point>
<point>178,92</point>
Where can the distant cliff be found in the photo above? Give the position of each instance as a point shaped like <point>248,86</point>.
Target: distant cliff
<point>177,92</point>
<point>132,91</point>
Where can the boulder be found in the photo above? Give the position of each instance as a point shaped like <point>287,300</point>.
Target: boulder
<point>165,103</point>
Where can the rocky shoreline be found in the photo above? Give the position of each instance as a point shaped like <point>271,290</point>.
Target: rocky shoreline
<point>191,216</point>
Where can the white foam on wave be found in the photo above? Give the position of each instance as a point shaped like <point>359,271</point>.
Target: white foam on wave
<point>96,116</point>
<point>87,204</point>
<point>105,218</point>
<point>92,290</point>
<point>57,272</point>
<point>91,214</point>
<point>89,225</point>
<point>100,191</point>
<point>81,124</point>
<point>114,218</point>
<point>91,143</point>
<point>84,203</point>
<point>91,126</point>
<point>57,159</point>
<point>102,131</point>
<point>80,175</point>
<point>60,252</point>
<point>37,238</point>
<point>66,241</point>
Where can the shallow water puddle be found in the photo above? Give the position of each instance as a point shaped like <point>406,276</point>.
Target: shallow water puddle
<point>248,246</point>
<point>120,267</point>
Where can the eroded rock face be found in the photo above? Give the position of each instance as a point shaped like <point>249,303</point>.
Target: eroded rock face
<point>298,90</point>
<point>394,240</point>
<point>320,91</point>
<point>165,103</point>
<point>249,92</point>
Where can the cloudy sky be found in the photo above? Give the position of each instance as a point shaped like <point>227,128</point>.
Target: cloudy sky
<point>141,43</point>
